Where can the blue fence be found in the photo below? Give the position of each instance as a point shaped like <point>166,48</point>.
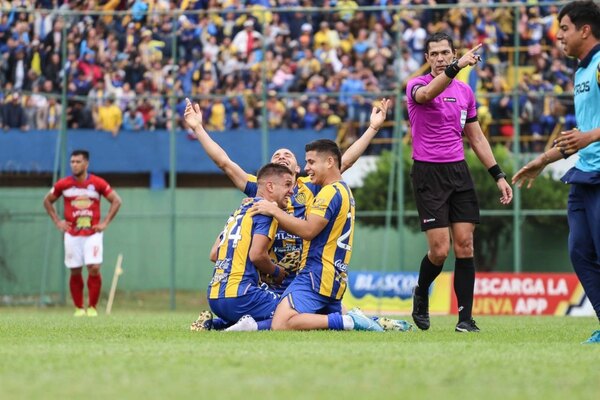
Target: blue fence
<point>141,152</point>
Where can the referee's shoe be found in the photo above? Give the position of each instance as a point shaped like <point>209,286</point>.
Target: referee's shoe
<point>420,313</point>
<point>467,326</point>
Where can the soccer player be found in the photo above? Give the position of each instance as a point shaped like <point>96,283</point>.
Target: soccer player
<point>243,251</point>
<point>579,37</point>
<point>82,227</point>
<point>314,298</point>
<point>287,247</point>
<point>440,109</point>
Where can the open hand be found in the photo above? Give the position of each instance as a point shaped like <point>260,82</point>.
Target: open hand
<point>264,207</point>
<point>378,114</point>
<point>192,115</point>
<point>505,190</point>
<point>528,173</point>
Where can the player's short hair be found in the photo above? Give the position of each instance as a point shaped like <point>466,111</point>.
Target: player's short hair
<point>583,12</point>
<point>439,37</point>
<point>272,169</point>
<point>326,146</point>
<point>84,153</point>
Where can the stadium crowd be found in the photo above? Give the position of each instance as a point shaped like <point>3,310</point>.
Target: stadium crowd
<point>322,68</point>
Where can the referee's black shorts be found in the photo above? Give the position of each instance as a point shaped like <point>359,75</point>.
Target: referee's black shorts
<point>444,193</point>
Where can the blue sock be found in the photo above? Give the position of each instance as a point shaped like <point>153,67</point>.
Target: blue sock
<point>264,325</point>
<point>220,324</point>
<point>335,322</point>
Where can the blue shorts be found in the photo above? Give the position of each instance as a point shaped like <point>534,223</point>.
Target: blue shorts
<point>304,299</point>
<point>257,302</point>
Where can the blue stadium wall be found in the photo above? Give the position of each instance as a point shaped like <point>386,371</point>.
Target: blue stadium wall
<point>140,152</point>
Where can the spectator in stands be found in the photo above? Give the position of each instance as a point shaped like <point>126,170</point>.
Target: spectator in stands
<point>79,116</point>
<point>133,120</point>
<point>405,65</point>
<point>90,69</point>
<point>216,117</point>
<point>18,66</point>
<point>306,52</point>
<point>351,86</point>
<point>415,37</point>
<point>96,96</point>
<point>53,41</point>
<point>49,117</point>
<point>35,106</point>
<point>109,116</point>
<point>13,114</point>
<point>245,40</point>
<point>234,112</point>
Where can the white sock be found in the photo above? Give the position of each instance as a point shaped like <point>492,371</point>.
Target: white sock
<point>245,324</point>
<point>348,322</point>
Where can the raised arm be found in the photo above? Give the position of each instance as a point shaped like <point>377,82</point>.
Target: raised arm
<point>426,93</point>
<point>193,118</point>
<point>378,115</point>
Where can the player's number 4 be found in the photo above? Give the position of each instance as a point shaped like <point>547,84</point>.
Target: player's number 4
<point>345,235</point>
<point>230,234</point>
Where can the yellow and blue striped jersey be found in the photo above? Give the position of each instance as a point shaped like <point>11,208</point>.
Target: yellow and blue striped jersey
<point>327,256</point>
<point>234,273</point>
<point>287,248</point>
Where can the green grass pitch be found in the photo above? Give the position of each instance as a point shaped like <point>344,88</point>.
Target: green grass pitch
<point>48,354</point>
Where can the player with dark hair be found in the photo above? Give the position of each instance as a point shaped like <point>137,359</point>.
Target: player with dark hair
<point>441,109</point>
<point>314,298</point>
<point>287,247</point>
<point>579,37</point>
<point>82,227</point>
<point>243,252</point>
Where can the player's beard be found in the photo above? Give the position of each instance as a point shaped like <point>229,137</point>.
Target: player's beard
<point>80,174</point>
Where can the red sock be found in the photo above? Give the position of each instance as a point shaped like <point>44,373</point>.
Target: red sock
<point>76,286</point>
<point>94,284</point>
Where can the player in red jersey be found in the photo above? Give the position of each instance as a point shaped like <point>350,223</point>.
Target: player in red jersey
<point>82,227</point>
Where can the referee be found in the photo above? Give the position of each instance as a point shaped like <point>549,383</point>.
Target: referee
<point>440,109</point>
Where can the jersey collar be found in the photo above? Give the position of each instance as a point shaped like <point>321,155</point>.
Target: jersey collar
<point>588,59</point>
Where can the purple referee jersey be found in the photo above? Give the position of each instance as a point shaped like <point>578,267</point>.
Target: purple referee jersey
<point>437,126</point>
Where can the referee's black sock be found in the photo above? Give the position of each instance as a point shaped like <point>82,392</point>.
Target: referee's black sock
<point>464,284</point>
<point>427,274</point>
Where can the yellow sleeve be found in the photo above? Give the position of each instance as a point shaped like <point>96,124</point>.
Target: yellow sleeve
<point>322,201</point>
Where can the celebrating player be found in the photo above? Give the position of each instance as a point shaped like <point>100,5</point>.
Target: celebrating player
<point>287,247</point>
<point>314,298</point>
<point>235,290</point>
